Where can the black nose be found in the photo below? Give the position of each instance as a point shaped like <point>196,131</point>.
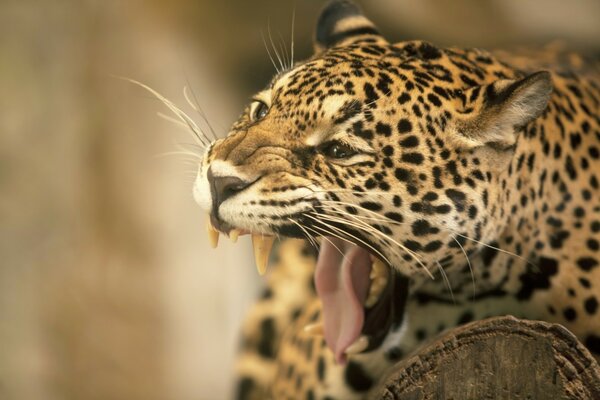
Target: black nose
<point>224,187</point>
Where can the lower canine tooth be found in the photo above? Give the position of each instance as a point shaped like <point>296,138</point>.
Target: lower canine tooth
<point>213,234</point>
<point>358,346</point>
<point>379,277</point>
<point>315,329</point>
<point>262,249</point>
<point>233,235</point>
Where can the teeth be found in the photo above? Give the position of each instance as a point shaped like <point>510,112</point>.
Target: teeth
<point>262,250</point>
<point>314,329</point>
<point>358,346</point>
<point>379,278</point>
<point>233,235</point>
<point>213,234</point>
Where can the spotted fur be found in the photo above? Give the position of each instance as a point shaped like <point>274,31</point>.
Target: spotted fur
<point>477,167</point>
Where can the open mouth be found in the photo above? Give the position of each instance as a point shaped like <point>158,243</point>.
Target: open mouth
<point>362,297</point>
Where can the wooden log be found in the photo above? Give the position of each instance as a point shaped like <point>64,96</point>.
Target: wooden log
<point>498,358</point>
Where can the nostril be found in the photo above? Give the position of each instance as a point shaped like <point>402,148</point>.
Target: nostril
<point>224,187</point>
<point>228,186</point>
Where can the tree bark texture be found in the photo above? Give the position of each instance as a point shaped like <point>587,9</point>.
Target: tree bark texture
<point>497,358</point>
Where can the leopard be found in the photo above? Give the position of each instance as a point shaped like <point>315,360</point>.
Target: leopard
<point>394,191</point>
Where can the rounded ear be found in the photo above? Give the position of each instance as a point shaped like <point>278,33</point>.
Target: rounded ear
<point>493,113</point>
<point>342,22</point>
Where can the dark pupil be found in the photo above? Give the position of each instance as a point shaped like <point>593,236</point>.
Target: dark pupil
<point>261,111</point>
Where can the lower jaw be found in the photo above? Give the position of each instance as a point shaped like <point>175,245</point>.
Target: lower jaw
<point>380,318</point>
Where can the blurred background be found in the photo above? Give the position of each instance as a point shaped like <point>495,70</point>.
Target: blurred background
<point>108,287</point>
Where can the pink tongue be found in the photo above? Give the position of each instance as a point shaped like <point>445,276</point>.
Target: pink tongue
<point>342,282</point>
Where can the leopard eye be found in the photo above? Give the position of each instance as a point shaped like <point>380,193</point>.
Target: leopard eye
<point>338,150</point>
<point>258,110</point>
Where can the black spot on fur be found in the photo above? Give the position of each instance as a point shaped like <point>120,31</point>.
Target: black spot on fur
<point>472,212</point>
<point>432,246</point>
<point>458,198</point>
<point>402,174</point>
<point>592,342</point>
<point>488,254</point>
<point>557,239</point>
<point>404,126</point>
<point>394,354</point>
<point>358,130</point>
<point>369,205</point>
<point>357,378</point>
<point>413,158</point>
<point>421,227</point>
<point>245,387</point>
<point>467,316</point>
<point>587,263</point>
<point>321,369</point>
<point>370,93</point>
<point>394,216</point>
<point>266,344</point>
<point>403,98</point>
<point>434,99</point>
<point>429,52</point>
<point>412,245</point>
<point>537,278</point>
<point>570,314</point>
<point>590,305</point>
<point>383,129</point>
<point>410,141</point>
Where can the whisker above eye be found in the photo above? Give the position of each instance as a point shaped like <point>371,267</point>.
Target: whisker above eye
<point>281,64</point>
<point>292,40</point>
<point>196,107</point>
<point>269,53</point>
<point>198,134</point>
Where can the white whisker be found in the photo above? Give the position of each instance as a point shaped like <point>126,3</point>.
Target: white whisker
<point>390,239</point>
<point>445,277</point>
<point>196,107</point>
<point>273,46</point>
<point>201,137</point>
<point>292,41</point>
<point>349,235</point>
<point>269,53</point>
<point>469,264</point>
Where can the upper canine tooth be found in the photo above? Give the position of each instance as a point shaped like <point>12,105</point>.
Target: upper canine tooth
<point>262,249</point>
<point>314,329</point>
<point>358,346</point>
<point>213,234</point>
<point>233,235</point>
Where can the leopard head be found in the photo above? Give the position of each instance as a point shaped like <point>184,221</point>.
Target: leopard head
<point>389,157</point>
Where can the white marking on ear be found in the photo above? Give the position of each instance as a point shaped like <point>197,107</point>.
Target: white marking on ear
<point>350,23</point>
